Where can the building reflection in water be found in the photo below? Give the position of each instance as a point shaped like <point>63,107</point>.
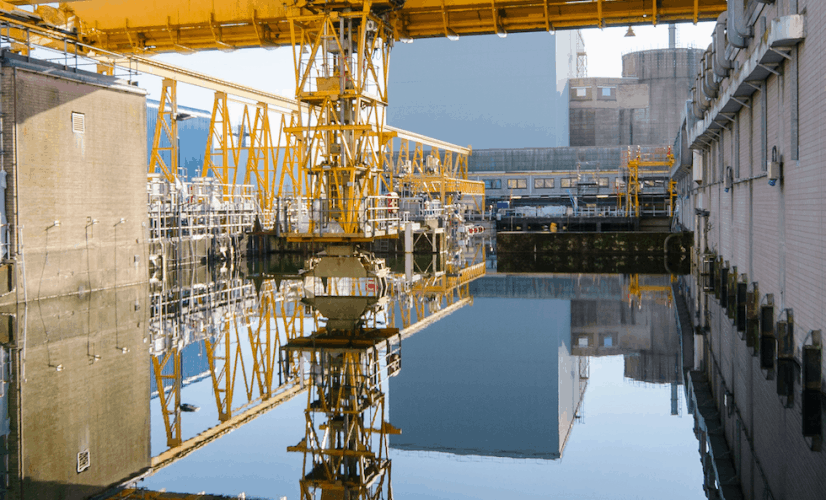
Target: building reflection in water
<point>509,377</point>
<point>758,437</point>
<point>81,375</point>
<point>75,394</point>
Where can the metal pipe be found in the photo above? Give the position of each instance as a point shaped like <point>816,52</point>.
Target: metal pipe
<point>721,63</point>
<point>702,100</point>
<point>710,85</point>
<point>738,31</point>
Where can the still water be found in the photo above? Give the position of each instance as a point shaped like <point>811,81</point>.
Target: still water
<point>470,384</point>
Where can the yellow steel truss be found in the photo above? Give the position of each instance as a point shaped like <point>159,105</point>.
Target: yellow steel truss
<point>659,160</point>
<point>166,131</point>
<point>170,402</point>
<point>340,62</point>
<point>442,175</point>
<point>345,445</point>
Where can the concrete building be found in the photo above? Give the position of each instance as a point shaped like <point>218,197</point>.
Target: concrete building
<point>481,90</point>
<point>75,205</point>
<point>751,438</point>
<point>641,108</point>
<point>606,320</point>
<point>751,176</point>
<point>607,118</point>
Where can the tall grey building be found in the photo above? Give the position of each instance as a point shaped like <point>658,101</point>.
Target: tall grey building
<point>484,91</point>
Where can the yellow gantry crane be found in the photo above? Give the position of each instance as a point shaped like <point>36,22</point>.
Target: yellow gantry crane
<point>150,26</point>
<point>662,160</point>
<point>337,136</point>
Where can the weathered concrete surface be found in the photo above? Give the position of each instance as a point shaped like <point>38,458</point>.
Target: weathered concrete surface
<point>627,243</point>
<point>76,196</point>
<point>643,107</point>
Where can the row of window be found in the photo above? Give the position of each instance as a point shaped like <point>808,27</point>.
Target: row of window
<point>603,92</point>
<point>540,183</point>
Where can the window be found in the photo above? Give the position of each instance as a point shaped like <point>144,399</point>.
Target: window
<point>493,183</point>
<point>78,123</point>
<point>543,183</point>
<point>569,182</point>
<point>583,341</point>
<point>603,182</point>
<point>607,93</point>
<point>517,184</point>
<point>608,339</point>
<point>581,92</point>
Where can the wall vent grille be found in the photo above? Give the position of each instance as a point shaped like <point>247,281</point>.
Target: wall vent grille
<point>84,460</point>
<point>78,123</point>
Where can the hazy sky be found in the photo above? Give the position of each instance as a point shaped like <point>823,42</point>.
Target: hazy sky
<point>605,47</point>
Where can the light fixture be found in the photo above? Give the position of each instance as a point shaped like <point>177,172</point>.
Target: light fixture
<point>630,32</point>
<point>451,35</point>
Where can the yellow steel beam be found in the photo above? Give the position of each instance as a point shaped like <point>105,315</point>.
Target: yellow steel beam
<point>154,67</point>
<point>174,454</point>
<point>146,26</point>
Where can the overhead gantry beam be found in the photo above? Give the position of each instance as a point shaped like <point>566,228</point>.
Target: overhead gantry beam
<point>152,26</point>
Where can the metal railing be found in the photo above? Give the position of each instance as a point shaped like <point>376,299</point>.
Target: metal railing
<point>370,215</point>
<point>199,209</point>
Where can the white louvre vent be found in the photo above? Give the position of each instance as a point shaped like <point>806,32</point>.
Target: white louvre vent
<point>83,458</point>
<point>78,123</point>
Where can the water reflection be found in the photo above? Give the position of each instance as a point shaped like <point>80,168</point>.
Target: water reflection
<point>377,360</point>
<point>75,394</point>
<point>508,379</point>
<point>752,422</point>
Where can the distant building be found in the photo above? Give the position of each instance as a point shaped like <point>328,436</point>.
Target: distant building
<point>607,118</point>
<point>480,90</point>
<point>641,108</point>
<point>471,386</point>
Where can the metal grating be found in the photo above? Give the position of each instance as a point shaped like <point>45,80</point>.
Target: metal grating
<point>84,460</point>
<point>78,123</point>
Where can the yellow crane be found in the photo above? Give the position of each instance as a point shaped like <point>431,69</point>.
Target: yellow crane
<point>338,138</point>
<point>140,26</point>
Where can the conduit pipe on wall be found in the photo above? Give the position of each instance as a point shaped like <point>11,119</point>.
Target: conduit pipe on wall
<point>738,31</point>
<point>721,63</point>
<point>709,85</point>
<point>695,106</point>
<point>702,100</point>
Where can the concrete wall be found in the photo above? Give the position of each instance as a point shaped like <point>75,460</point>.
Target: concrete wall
<point>668,75</point>
<point>101,406</point>
<point>776,235</point>
<point>769,452</point>
<point>87,181</point>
